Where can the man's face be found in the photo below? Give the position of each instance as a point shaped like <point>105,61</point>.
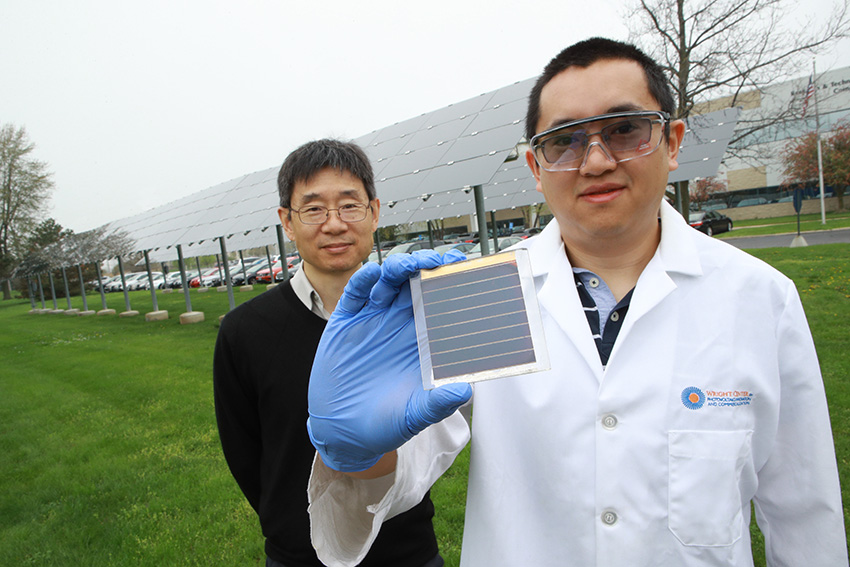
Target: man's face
<point>604,201</point>
<point>334,246</point>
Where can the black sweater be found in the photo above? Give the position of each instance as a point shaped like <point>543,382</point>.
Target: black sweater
<point>263,357</point>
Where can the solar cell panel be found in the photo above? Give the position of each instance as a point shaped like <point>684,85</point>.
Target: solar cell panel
<point>477,320</point>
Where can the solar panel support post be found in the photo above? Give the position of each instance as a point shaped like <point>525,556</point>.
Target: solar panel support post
<point>124,283</point>
<point>482,219</point>
<point>40,289</point>
<point>150,281</point>
<point>30,292</point>
<point>82,287</point>
<point>430,235</point>
<point>242,268</point>
<point>100,285</point>
<point>53,290</point>
<point>183,281</point>
<point>227,273</point>
<point>378,246</point>
<point>495,232</point>
<point>67,291</point>
<point>269,260</point>
<point>284,265</point>
<point>198,264</point>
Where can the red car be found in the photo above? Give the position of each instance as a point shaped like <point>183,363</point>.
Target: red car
<point>263,275</point>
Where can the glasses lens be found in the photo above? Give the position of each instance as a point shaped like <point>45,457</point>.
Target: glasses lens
<point>313,215</point>
<point>565,146</point>
<point>352,213</point>
<point>628,135</point>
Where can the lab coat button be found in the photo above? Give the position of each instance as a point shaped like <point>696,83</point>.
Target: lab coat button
<point>609,518</point>
<point>615,316</point>
<point>609,421</point>
<point>594,282</point>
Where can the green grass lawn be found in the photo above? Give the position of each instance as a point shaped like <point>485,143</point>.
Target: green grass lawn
<point>109,454</point>
<point>784,225</point>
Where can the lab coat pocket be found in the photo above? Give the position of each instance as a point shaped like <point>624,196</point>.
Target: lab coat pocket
<point>704,501</point>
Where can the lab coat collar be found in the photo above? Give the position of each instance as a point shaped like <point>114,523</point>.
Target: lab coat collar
<point>678,250</point>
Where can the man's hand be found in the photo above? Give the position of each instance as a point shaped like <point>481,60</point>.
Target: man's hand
<point>366,396</point>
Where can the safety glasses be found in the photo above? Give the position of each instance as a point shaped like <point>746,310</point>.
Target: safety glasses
<point>623,136</point>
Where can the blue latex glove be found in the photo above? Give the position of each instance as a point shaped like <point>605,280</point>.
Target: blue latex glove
<point>366,396</point>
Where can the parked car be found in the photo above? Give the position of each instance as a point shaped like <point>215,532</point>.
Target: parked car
<point>173,281</point>
<point>751,202</point>
<point>158,281</point>
<point>531,231</point>
<point>143,282</point>
<point>263,276</point>
<point>248,276</point>
<point>460,246</point>
<point>197,280</point>
<point>106,282</point>
<point>130,280</point>
<point>710,222</point>
<point>293,264</point>
<point>408,247</point>
<point>504,243</point>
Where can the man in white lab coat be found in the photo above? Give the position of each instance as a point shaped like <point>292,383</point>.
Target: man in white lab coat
<point>654,432</point>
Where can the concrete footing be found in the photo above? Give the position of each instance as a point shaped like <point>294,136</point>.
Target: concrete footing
<point>57,311</point>
<point>161,315</point>
<point>74,312</point>
<point>191,317</point>
<point>799,242</point>
<point>246,288</point>
<point>131,313</point>
<point>203,289</point>
<point>168,290</point>
<point>221,288</point>
<point>271,286</point>
<point>86,313</point>
<point>106,312</point>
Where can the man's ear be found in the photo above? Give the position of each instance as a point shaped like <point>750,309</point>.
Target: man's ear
<point>376,209</point>
<point>677,134</point>
<point>535,169</point>
<point>285,216</point>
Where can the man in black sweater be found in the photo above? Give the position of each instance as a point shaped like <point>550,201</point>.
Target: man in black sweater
<point>264,354</point>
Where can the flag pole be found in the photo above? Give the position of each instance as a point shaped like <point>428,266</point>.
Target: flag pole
<point>820,155</point>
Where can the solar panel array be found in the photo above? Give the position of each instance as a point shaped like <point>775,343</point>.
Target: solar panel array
<point>424,168</point>
<point>705,142</point>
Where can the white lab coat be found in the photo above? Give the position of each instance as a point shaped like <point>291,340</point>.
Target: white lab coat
<point>712,398</point>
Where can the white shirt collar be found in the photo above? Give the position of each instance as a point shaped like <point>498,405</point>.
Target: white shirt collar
<point>305,291</point>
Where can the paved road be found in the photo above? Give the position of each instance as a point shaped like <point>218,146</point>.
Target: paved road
<point>784,240</point>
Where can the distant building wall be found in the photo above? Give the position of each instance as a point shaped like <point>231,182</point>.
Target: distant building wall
<point>756,160</point>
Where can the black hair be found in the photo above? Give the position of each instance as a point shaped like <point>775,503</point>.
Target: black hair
<point>584,54</point>
<point>311,158</point>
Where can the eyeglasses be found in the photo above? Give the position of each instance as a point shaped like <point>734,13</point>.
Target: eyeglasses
<point>315,214</point>
<point>626,135</point>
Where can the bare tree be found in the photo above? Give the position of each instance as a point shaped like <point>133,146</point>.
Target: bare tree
<point>25,186</point>
<point>729,51</point>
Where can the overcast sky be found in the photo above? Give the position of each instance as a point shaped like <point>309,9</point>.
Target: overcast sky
<point>134,105</point>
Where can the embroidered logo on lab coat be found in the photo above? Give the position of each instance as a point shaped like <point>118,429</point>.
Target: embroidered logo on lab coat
<point>693,398</point>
